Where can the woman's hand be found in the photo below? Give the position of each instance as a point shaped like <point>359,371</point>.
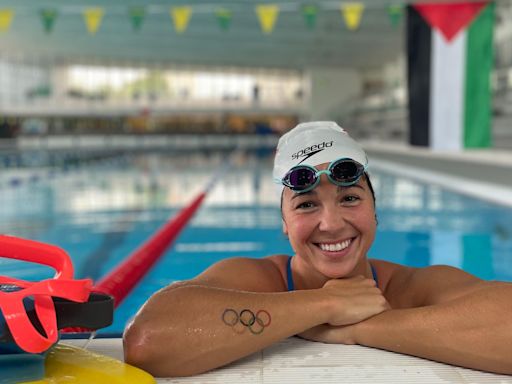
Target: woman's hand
<point>353,300</point>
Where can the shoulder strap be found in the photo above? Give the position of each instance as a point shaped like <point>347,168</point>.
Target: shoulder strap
<point>374,273</point>
<point>289,276</point>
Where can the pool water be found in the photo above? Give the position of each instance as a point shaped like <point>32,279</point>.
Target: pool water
<point>100,213</point>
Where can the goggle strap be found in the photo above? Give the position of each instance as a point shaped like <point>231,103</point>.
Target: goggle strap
<point>23,331</point>
<point>62,285</point>
<point>12,280</point>
<point>36,252</point>
<point>74,290</point>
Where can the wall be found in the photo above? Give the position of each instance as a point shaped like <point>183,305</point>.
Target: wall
<point>330,89</point>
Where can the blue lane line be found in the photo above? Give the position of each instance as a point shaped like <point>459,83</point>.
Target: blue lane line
<point>41,175</point>
<point>94,262</point>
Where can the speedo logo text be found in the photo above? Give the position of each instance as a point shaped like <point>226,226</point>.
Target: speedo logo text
<point>311,150</point>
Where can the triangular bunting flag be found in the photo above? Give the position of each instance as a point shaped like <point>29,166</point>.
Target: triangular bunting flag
<point>92,18</point>
<point>450,18</point>
<point>137,15</point>
<point>352,13</point>
<point>309,12</point>
<point>180,17</point>
<point>6,16</point>
<point>267,15</point>
<point>395,13</point>
<point>224,17</point>
<point>48,17</point>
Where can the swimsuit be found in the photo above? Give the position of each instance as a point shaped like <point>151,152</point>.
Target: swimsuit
<point>289,277</point>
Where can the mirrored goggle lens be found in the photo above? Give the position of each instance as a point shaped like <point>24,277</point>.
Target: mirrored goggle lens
<point>346,171</point>
<point>300,178</point>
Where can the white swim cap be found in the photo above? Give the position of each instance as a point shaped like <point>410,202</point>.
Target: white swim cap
<point>314,143</point>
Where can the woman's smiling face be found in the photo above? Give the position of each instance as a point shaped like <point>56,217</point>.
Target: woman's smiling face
<point>331,228</point>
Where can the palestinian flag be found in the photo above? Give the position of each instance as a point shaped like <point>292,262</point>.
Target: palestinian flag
<point>450,56</point>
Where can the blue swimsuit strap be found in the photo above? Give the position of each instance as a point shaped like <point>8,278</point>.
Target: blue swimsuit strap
<point>289,276</point>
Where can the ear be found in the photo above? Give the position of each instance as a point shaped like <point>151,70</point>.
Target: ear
<point>285,227</point>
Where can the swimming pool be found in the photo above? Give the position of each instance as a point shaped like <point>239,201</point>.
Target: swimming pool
<point>100,213</point>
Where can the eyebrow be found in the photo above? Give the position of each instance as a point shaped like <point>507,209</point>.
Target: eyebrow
<point>295,195</point>
<point>341,189</point>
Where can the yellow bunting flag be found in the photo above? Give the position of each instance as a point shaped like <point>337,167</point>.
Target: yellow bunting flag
<point>180,17</point>
<point>267,15</point>
<point>352,13</point>
<point>92,18</point>
<point>6,16</point>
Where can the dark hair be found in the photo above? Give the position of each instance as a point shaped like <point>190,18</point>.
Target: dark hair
<point>370,186</point>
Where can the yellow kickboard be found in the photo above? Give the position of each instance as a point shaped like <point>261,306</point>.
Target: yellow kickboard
<point>73,365</point>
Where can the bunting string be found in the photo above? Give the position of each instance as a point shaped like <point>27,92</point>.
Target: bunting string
<point>267,14</point>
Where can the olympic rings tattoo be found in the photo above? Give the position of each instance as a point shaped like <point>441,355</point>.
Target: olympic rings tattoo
<point>257,330</point>
<point>230,317</point>
<point>269,319</point>
<point>247,321</point>
<point>256,323</point>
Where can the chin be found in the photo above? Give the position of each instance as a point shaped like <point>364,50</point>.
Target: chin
<point>338,271</point>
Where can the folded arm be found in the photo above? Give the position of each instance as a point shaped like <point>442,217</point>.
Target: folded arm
<point>202,324</point>
<point>193,326</point>
<point>178,334</point>
<point>472,331</point>
<point>456,319</point>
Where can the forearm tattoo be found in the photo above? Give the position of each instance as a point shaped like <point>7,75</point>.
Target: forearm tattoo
<point>246,319</point>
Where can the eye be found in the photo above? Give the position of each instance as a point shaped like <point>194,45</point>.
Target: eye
<point>305,205</point>
<point>350,199</point>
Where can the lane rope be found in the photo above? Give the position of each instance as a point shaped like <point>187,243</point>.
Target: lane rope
<point>120,281</point>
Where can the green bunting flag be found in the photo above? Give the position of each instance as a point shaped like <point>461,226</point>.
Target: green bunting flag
<point>137,15</point>
<point>395,13</point>
<point>224,17</point>
<point>309,12</point>
<point>48,17</point>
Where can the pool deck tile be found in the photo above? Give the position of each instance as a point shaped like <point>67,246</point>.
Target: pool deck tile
<point>298,361</point>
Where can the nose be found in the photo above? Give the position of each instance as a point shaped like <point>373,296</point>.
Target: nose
<point>332,219</point>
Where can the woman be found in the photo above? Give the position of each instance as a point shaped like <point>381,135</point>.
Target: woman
<point>329,291</point>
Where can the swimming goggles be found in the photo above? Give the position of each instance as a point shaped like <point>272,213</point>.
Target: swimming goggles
<point>35,330</point>
<point>343,172</point>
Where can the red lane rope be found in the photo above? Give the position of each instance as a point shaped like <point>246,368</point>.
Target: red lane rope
<point>123,278</point>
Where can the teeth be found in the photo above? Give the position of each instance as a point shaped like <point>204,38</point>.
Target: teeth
<point>336,246</point>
